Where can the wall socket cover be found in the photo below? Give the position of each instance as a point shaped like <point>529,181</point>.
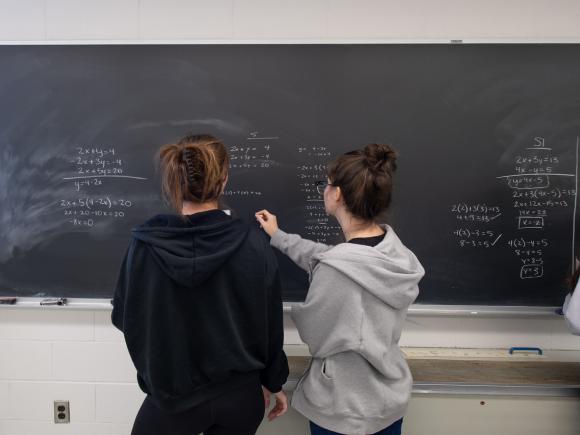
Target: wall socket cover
<point>61,411</point>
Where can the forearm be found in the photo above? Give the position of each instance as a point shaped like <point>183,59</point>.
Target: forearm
<point>298,249</point>
<point>275,374</point>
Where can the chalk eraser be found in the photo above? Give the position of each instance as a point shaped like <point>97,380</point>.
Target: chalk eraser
<point>536,350</point>
<point>8,300</point>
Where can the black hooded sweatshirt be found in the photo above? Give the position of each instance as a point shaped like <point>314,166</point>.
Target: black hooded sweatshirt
<point>198,299</point>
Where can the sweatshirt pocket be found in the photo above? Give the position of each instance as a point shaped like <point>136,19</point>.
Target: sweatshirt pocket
<point>317,388</point>
<point>325,369</point>
<point>359,389</point>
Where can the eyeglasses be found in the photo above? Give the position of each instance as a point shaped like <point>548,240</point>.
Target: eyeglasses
<point>321,185</point>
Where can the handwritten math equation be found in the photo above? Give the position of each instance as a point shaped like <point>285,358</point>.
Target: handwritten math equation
<point>538,187</point>
<point>94,174</point>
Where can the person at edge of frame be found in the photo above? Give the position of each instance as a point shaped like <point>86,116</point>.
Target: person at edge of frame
<point>571,308</point>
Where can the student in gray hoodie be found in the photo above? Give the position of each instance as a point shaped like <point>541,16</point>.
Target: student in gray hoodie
<point>359,381</point>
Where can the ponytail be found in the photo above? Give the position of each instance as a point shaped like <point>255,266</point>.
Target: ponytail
<point>194,169</point>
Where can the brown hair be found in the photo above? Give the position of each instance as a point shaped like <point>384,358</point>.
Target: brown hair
<point>365,178</point>
<point>193,169</point>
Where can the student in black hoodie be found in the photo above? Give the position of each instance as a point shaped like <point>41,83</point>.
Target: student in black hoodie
<point>198,301</point>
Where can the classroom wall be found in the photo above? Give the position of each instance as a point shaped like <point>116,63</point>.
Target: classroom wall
<point>299,19</point>
<point>77,355</point>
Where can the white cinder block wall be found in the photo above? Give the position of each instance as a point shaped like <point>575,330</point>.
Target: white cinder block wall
<point>77,355</point>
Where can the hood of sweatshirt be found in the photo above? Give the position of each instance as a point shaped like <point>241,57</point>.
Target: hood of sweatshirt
<point>389,270</point>
<point>190,249</point>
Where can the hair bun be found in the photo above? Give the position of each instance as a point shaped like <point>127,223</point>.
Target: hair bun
<point>381,157</point>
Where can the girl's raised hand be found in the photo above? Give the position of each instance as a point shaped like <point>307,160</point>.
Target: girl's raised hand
<point>267,221</point>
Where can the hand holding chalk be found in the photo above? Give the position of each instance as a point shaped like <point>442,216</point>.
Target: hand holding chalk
<point>267,221</point>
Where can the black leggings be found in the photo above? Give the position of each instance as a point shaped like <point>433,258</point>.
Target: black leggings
<point>237,412</point>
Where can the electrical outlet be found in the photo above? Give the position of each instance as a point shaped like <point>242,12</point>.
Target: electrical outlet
<point>61,411</point>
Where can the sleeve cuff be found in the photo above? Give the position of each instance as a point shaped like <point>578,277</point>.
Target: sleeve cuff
<point>273,388</point>
<point>278,238</point>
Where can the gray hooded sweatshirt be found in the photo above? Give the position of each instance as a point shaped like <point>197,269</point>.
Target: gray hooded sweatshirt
<point>359,381</point>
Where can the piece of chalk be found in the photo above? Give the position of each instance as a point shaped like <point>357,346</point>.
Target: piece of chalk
<point>56,301</point>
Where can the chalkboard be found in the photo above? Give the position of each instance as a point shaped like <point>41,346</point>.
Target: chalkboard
<point>485,194</point>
